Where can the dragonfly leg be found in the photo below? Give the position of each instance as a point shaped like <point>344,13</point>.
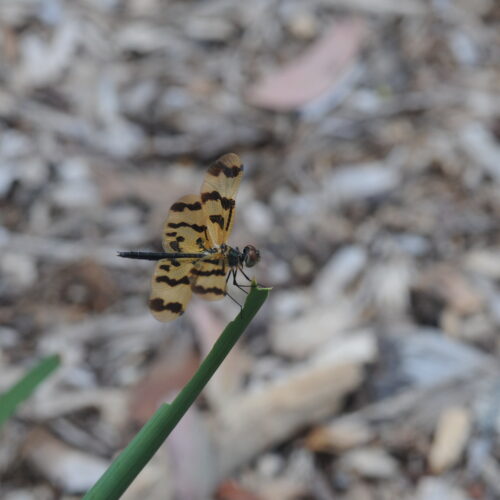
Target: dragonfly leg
<point>227,293</point>
<point>244,274</point>
<point>235,301</point>
<point>235,283</point>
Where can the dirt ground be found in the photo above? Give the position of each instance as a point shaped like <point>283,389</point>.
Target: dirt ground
<point>370,134</point>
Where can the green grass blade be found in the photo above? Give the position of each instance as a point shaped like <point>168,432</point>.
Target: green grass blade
<point>23,389</point>
<point>147,441</point>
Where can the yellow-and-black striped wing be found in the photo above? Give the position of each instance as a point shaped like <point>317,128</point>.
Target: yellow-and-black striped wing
<point>218,194</point>
<point>170,289</point>
<point>208,277</point>
<point>184,231</point>
<point>186,226</point>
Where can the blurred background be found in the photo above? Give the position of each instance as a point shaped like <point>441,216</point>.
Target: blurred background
<point>370,134</point>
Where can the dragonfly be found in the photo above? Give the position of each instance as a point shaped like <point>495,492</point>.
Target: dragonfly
<point>196,257</point>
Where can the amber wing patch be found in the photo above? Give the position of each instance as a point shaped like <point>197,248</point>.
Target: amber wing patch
<point>185,228</point>
<point>208,277</point>
<point>170,289</point>
<point>218,194</point>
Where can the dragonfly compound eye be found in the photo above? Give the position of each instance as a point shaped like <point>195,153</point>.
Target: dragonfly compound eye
<point>250,256</point>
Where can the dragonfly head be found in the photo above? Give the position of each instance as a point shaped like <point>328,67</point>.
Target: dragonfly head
<point>250,256</point>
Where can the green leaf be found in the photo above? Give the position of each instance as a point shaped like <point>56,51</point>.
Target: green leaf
<point>24,388</point>
<point>147,441</point>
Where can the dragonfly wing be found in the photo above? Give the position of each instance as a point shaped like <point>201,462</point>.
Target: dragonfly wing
<point>170,289</point>
<point>208,278</point>
<point>218,194</point>
<point>186,228</point>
